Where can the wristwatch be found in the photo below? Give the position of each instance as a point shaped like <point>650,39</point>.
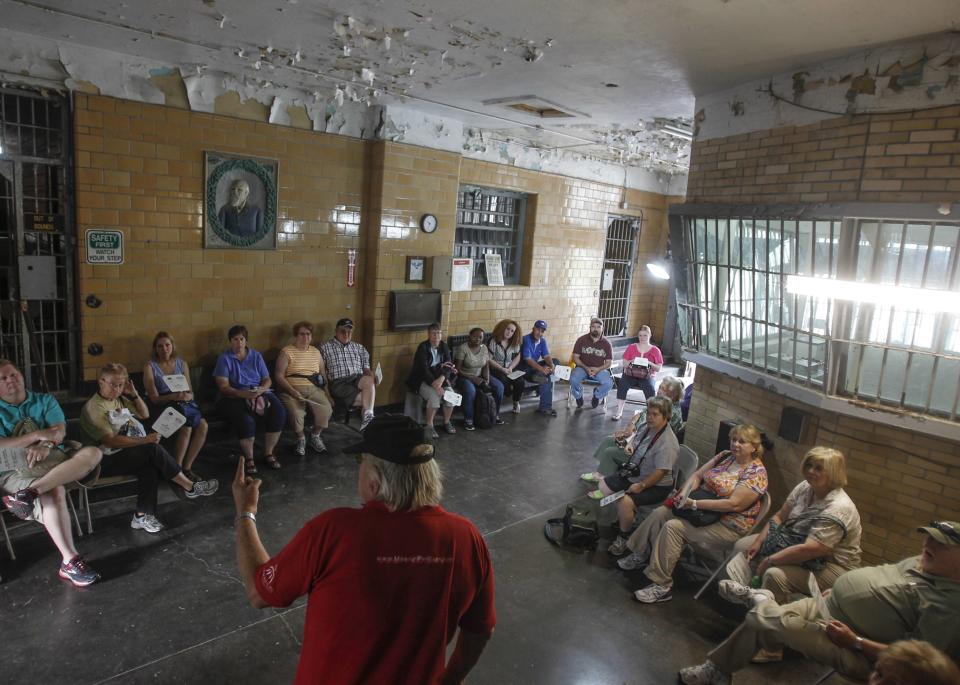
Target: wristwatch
<point>693,504</point>
<point>858,644</point>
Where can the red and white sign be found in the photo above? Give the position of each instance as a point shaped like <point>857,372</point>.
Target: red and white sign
<point>351,267</point>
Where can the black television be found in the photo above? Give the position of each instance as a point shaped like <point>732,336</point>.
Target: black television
<point>412,310</point>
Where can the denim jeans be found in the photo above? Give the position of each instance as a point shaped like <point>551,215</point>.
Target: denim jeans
<point>576,382</point>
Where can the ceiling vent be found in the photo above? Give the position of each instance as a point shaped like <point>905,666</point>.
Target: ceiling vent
<point>536,107</point>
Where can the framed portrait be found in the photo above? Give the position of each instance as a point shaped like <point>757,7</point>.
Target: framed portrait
<point>240,202</point>
<point>416,269</point>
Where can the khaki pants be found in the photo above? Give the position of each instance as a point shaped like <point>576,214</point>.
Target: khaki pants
<point>297,409</point>
<point>784,581</point>
<point>662,536</point>
<point>795,625</point>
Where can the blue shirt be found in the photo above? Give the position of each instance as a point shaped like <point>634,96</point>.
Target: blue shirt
<point>242,375</point>
<point>42,408</point>
<point>534,349</point>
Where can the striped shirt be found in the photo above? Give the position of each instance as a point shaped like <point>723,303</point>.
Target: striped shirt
<point>302,363</point>
<point>344,360</point>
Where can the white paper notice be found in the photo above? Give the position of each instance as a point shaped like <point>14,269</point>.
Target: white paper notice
<point>815,592</point>
<point>378,373</point>
<point>514,375</point>
<point>607,280</point>
<point>177,383</point>
<point>452,397</point>
<point>612,498</point>
<point>169,422</point>
<point>13,458</point>
<point>561,373</point>
<point>494,268</point>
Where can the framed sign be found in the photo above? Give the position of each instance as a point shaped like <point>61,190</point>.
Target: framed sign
<point>494,268</point>
<point>240,202</point>
<point>416,269</point>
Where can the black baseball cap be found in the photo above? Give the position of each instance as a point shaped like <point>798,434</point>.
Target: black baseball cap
<point>345,322</point>
<point>394,438</point>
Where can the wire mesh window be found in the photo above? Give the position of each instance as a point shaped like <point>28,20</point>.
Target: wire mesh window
<point>490,220</point>
<point>31,127</point>
<point>738,306</point>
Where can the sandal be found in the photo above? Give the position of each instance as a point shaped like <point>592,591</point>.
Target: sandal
<point>272,462</point>
<point>595,494</point>
<point>590,477</point>
<point>250,466</point>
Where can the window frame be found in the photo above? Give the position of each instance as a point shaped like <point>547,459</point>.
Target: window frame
<point>513,275</point>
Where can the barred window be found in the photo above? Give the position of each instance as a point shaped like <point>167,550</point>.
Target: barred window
<point>735,304</point>
<point>491,220</point>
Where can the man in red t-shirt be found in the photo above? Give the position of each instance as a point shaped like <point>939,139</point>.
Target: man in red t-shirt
<point>388,584</point>
<point>593,354</point>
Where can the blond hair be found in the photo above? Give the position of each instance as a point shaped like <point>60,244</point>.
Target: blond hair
<point>750,434</point>
<point>673,387</point>
<point>915,662</point>
<point>113,369</point>
<point>405,488</point>
<point>834,465</point>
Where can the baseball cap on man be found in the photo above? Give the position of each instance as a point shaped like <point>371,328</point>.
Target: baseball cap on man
<point>345,322</point>
<point>541,324</point>
<point>394,438</point>
<point>944,532</point>
<point>596,319</point>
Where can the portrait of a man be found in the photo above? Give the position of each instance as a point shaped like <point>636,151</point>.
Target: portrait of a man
<point>240,203</point>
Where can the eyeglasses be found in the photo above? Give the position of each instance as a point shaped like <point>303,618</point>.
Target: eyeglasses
<point>947,529</point>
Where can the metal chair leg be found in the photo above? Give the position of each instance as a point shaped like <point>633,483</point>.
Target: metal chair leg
<point>722,566</point>
<point>73,512</point>
<point>6,537</point>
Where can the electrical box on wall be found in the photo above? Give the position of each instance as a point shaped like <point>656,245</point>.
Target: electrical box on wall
<point>453,274</point>
<point>38,277</point>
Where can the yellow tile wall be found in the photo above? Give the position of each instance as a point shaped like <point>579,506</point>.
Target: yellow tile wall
<point>139,168</point>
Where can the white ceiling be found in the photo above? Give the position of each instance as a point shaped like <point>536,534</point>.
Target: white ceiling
<point>446,57</point>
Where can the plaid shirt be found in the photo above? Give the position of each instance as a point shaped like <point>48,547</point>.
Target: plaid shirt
<point>344,360</point>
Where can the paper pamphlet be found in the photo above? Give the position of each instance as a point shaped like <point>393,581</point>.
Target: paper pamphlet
<point>13,458</point>
<point>640,361</point>
<point>169,422</point>
<point>561,373</point>
<point>452,397</point>
<point>177,383</point>
<point>612,498</point>
<point>514,375</point>
<point>817,595</point>
<point>378,374</point>
<point>494,268</point>
<point>739,570</point>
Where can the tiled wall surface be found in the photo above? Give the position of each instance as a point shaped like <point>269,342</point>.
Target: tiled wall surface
<point>898,479</point>
<point>140,169</point>
<point>908,157</point>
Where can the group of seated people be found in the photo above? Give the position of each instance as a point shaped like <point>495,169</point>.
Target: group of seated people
<point>809,546</point>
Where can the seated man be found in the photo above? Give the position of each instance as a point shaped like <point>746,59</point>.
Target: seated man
<point>538,365</point>
<point>593,355</point>
<point>35,423</point>
<point>349,373</point>
<point>868,608</point>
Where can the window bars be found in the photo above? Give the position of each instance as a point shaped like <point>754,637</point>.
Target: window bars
<point>490,220</point>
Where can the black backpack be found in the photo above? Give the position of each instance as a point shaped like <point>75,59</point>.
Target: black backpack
<point>577,529</point>
<point>484,410</point>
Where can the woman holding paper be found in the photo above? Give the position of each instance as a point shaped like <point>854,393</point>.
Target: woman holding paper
<point>246,400</point>
<point>302,380</point>
<point>641,362</point>
<point>504,349</point>
<point>166,378</point>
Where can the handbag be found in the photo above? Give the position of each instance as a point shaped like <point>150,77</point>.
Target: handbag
<point>633,371</point>
<point>698,517</point>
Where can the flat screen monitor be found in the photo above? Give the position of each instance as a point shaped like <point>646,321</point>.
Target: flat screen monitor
<point>414,309</point>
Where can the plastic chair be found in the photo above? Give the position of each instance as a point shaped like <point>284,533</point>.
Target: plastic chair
<point>687,462</point>
<point>765,504</point>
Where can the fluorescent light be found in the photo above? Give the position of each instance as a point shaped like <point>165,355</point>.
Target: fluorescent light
<point>677,132</point>
<point>658,270</point>
<point>874,293</point>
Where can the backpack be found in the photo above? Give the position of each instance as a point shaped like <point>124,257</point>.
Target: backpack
<point>484,410</point>
<point>577,529</point>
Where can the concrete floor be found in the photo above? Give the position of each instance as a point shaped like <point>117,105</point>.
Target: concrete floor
<point>170,608</point>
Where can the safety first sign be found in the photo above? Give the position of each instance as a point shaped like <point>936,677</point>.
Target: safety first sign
<point>104,247</point>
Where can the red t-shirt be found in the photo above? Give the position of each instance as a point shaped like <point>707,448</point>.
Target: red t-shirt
<point>593,353</point>
<point>387,592</point>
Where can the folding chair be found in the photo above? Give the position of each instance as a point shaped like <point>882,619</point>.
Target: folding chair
<point>95,482</point>
<point>21,524</point>
<point>765,505</point>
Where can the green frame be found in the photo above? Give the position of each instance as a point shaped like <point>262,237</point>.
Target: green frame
<point>216,167</point>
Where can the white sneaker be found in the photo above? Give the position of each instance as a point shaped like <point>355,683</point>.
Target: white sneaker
<point>203,488</point>
<point>316,443</point>
<point>367,418</point>
<point>146,522</point>
<point>516,407</point>
<point>704,674</point>
<point>737,593</point>
<point>301,448</point>
<point>653,594</point>
<point>618,547</point>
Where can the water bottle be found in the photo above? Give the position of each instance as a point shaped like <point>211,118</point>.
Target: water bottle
<point>755,582</point>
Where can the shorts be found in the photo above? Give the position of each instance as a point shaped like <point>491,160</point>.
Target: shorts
<point>12,481</point>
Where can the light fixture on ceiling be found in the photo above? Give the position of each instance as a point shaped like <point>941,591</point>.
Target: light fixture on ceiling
<point>913,299</point>
<point>677,132</point>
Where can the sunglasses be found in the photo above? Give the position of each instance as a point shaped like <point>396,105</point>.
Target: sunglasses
<point>947,529</point>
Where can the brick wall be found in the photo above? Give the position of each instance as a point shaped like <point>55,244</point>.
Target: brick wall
<point>882,157</point>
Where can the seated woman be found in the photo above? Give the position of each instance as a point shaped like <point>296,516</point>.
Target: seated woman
<point>738,480</point>
<point>641,362</point>
<point>193,434</point>
<point>615,450</point>
<point>504,349</point>
<point>647,476</point>
<point>302,381</point>
<point>109,420</point>
<point>817,531</point>
<point>430,375</point>
<point>245,398</point>
<point>473,366</point>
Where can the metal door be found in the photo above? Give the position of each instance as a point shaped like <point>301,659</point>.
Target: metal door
<point>623,232</point>
<point>39,335</point>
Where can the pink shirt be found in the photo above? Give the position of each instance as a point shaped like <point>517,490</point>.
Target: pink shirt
<point>653,355</point>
